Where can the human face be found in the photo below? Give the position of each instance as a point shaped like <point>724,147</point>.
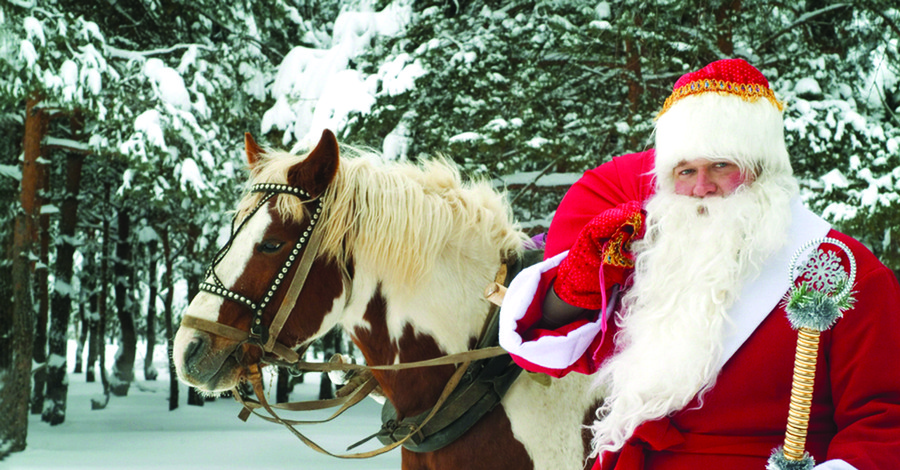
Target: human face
<point>701,178</point>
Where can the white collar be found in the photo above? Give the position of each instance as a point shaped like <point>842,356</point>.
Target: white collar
<point>760,296</point>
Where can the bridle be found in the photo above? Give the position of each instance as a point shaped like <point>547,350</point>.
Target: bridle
<point>259,335</point>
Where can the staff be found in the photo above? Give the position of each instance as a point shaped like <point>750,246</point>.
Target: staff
<point>812,307</point>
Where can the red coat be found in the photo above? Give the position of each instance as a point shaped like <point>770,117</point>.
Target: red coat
<point>856,403</point>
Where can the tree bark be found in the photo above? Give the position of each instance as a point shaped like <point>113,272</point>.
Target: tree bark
<point>90,285</point>
<point>123,369</point>
<point>169,285</point>
<point>726,14</point>
<point>149,371</point>
<point>43,293</point>
<point>283,386</point>
<point>61,298</point>
<point>16,339</point>
<point>102,297</point>
<point>193,283</point>
<point>82,338</point>
<point>634,77</point>
<point>331,344</point>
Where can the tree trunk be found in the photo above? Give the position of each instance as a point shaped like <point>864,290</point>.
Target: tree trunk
<point>635,78</point>
<point>82,337</point>
<point>123,369</point>
<point>150,371</point>
<point>193,283</point>
<point>167,314</point>
<point>16,341</point>
<point>90,286</point>
<point>61,298</point>
<point>726,15</point>
<point>282,386</point>
<point>102,297</point>
<point>43,294</point>
<point>331,344</point>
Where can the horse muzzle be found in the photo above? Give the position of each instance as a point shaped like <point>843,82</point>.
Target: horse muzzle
<point>207,362</point>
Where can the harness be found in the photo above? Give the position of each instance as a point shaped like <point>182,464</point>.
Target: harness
<point>482,377</point>
<point>481,388</point>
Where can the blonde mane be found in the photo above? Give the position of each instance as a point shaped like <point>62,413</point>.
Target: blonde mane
<point>399,218</point>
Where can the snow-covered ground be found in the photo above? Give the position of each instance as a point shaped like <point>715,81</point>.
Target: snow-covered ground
<point>138,432</point>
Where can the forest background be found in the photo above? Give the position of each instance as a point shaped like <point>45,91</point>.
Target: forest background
<point>121,151</point>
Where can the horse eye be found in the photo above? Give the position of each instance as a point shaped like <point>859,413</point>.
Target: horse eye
<point>269,246</point>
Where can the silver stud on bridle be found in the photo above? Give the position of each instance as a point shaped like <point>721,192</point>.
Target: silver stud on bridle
<point>258,334</point>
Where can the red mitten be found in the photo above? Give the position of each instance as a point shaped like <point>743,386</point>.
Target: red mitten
<point>600,258</point>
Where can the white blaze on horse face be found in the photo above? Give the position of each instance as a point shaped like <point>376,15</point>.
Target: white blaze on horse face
<point>206,305</point>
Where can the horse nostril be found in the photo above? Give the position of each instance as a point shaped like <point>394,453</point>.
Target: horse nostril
<point>193,351</point>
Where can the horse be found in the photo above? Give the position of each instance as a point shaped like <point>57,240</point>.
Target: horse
<point>404,253</point>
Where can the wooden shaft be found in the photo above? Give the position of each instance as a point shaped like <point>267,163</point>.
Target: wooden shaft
<point>801,393</point>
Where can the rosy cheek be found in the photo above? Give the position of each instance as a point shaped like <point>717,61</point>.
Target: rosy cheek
<point>733,181</point>
<point>683,188</point>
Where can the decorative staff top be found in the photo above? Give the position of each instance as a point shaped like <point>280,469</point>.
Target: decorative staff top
<point>825,291</point>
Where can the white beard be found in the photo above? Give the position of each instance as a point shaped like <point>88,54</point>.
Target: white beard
<point>689,270</point>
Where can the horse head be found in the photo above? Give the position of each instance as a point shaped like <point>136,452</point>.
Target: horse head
<point>269,270</point>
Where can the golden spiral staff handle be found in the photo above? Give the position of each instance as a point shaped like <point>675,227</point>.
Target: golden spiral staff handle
<point>824,293</point>
<point>801,393</point>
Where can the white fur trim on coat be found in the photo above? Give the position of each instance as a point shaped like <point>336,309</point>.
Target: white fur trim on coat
<point>834,465</point>
<point>554,352</point>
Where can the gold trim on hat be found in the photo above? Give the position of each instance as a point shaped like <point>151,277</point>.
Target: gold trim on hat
<point>747,92</point>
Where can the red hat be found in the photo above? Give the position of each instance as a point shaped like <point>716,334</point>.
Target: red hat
<point>717,113</point>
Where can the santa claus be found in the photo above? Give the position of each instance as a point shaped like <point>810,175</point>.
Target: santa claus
<point>664,277</point>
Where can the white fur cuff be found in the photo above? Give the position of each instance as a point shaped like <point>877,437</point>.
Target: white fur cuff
<point>553,352</point>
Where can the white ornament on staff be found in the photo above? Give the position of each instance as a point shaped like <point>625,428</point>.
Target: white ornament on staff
<point>812,307</point>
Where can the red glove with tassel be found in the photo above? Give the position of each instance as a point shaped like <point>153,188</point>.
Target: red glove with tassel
<point>600,258</point>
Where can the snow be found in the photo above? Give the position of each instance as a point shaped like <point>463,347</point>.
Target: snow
<point>63,288</point>
<point>34,29</point>
<point>834,179</point>
<point>396,144</point>
<point>808,86</point>
<point>69,74</point>
<point>190,175</point>
<point>168,83</point>
<point>11,171</point>
<point>27,52</point>
<point>549,179</point>
<point>149,123</point>
<point>146,234</point>
<point>138,432</point>
<point>67,143</point>
<point>315,90</point>
<point>466,137</point>
<point>49,209</point>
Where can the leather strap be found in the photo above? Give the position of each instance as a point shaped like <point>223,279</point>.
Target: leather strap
<point>254,376</point>
<point>293,292</point>
<point>235,334</point>
<point>346,402</point>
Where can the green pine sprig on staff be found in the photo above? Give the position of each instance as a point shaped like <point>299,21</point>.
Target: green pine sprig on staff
<point>811,308</point>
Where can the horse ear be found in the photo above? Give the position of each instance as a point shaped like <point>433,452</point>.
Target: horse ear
<point>253,149</point>
<point>315,173</point>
